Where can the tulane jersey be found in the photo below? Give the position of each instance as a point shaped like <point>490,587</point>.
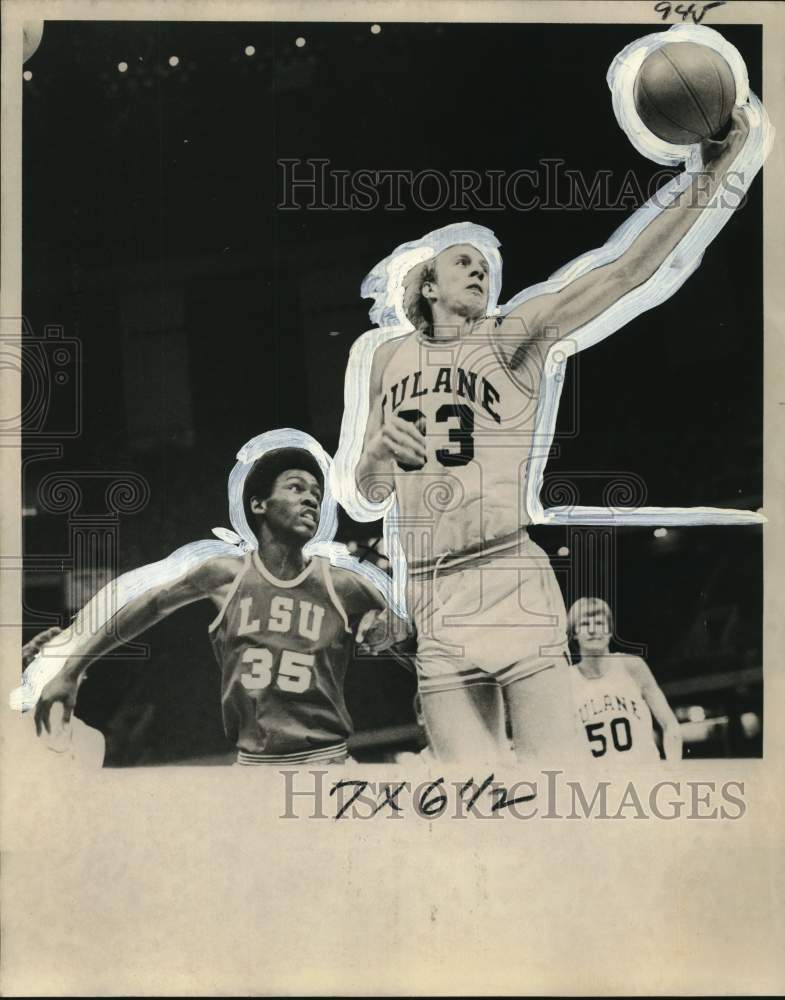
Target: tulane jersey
<point>613,718</point>
<point>283,647</point>
<point>478,418</point>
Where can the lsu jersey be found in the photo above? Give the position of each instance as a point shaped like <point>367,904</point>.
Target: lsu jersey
<point>613,718</point>
<point>478,416</point>
<point>283,647</point>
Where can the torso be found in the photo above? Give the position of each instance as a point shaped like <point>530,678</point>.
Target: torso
<point>613,717</point>
<point>283,647</point>
<point>479,418</point>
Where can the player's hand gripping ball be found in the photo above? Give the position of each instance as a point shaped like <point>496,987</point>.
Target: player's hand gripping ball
<point>685,93</point>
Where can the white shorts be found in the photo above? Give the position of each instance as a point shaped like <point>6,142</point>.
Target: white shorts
<point>494,620</point>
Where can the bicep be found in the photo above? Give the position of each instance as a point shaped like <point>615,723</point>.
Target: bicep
<point>360,596</point>
<point>556,315</point>
<point>374,421</point>
<point>586,298</point>
<point>194,584</point>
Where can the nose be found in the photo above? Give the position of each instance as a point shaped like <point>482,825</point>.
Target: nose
<point>311,502</point>
<point>478,272</point>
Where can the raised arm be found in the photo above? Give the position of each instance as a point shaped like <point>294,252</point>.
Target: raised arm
<point>660,709</point>
<point>591,294</point>
<point>86,640</point>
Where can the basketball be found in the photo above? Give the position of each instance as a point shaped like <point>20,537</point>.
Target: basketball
<point>32,33</point>
<point>684,93</point>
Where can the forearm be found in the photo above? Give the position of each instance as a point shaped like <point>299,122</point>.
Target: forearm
<point>672,741</point>
<point>373,475</point>
<point>91,635</point>
<point>659,239</point>
<point>86,641</point>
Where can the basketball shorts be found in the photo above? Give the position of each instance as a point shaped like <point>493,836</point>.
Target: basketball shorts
<point>494,620</point>
<point>326,756</point>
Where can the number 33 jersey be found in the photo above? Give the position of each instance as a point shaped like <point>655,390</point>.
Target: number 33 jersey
<point>284,647</point>
<point>477,417</point>
<point>613,718</point>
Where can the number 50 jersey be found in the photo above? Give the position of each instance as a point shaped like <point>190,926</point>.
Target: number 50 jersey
<point>613,716</point>
<point>283,647</point>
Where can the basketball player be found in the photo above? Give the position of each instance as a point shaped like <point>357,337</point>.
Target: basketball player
<point>615,695</point>
<point>283,631</point>
<point>452,408</point>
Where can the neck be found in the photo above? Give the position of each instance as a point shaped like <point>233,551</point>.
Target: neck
<point>592,664</point>
<point>285,560</point>
<point>449,326</point>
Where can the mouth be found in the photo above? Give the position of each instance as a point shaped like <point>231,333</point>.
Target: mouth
<point>475,288</point>
<point>308,517</point>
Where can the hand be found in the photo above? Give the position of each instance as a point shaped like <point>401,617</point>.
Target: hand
<point>31,649</point>
<point>713,149</point>
<point>60,690</point>
<point>371,633</point>
<point>400,441</point>
<point>380,631</point>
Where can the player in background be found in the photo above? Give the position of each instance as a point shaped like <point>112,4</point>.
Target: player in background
<point>450,431</point>
<point>283,632</point>
<point>616,695</point>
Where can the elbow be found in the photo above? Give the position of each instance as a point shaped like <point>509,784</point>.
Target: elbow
<point>373,486</point>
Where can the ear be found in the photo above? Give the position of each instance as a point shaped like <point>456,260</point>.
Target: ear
<point>429,291</point>
<point>258,506</point>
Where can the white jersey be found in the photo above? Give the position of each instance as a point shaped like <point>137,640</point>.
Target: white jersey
<point>478,418</point>
<point>613,718</point>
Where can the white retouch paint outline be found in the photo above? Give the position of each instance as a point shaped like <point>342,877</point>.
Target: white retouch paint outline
<point>385,285</point>
<point>103,607</point>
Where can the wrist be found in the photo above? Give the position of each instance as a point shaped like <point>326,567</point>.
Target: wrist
<point>73,670</point>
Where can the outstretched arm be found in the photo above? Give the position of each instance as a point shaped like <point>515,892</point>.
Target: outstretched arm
<point>589,295</point>
<point>660,709</point>
<point>86,640</point>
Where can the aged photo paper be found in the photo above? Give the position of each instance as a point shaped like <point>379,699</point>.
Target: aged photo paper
<point>393,505</point>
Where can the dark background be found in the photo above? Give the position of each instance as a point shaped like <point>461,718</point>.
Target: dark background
<point>203,314</point>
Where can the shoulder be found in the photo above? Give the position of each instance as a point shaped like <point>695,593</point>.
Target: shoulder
<point>385,351</point>
<point>383,355</point>
<point>354,590</point>
<point>216,572</point>
<point>635,666</point>
<point>522,321</point>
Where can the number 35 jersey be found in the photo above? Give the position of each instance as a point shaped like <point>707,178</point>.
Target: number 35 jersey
<point>284,647</point>
<point>477,417</point>
<point>613,718</point>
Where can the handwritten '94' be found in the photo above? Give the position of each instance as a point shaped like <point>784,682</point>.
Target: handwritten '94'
<point>697,11</point>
